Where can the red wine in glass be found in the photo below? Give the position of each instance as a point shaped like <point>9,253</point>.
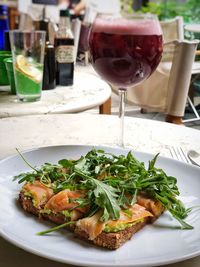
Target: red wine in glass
<point>125,54</point>
<point>125,51</point>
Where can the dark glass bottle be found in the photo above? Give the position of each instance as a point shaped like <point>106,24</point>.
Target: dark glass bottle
<point>7,41</point>
<point>49,76</point>
<point>3,24</point>
<point>64,49</point>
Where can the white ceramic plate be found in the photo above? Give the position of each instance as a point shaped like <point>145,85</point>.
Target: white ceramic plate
<point>157,244</point>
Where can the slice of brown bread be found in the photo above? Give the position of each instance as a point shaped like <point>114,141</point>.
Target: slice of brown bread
<point>106,240</point>
<point>27,204</point>
<point>112,240</point>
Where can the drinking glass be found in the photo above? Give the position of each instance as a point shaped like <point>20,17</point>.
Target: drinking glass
<point>125,51</point>
<point>83,41</point>
<point>28,60</point>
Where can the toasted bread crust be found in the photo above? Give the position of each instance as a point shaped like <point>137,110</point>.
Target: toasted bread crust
<point>107,240</point>
<point>112,240</point>
<point>27,204</point>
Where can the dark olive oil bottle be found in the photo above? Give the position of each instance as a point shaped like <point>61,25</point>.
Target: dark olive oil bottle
<point>49,76</point>
<point>64,50</point>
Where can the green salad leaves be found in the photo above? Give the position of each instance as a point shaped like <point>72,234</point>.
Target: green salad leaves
<point>111,182</point>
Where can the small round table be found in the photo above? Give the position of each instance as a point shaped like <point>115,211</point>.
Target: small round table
<point>194,32</point>
<point>88,91</point>
<point>194,27</point>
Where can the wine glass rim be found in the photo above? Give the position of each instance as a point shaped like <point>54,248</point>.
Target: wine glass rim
<point>127,16</point>
<point>141,15</point>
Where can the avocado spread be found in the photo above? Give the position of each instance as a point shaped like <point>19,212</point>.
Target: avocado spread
<point>120,226</point>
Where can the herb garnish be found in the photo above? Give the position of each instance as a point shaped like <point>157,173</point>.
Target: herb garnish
<point>111,183</point>
<point>56,228</point>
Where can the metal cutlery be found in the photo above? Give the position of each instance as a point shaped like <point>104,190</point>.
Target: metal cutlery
<point>179,154</point>
<point>190,157</point>
<point>194,157</point>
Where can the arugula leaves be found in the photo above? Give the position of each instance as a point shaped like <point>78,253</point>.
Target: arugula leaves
<point>106,198</point>
<point>111,182</point>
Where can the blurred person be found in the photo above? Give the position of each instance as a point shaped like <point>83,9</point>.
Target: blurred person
<point>100,6</point>
<point>78,6</point>
<point>34,11</point>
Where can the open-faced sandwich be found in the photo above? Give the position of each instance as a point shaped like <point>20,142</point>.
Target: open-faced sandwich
<point>101,197</point>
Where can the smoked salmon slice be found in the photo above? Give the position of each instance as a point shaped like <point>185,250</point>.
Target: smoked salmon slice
<point>39,192</point>
<point>93,226</point>
<point>65,200</point>
<point>154,206</point>
<point>135,213</point>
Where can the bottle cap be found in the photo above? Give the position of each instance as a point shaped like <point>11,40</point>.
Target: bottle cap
<point>64,13</point>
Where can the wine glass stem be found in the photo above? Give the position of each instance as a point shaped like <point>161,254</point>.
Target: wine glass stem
<point>86,58</point>
<point>122,98</point>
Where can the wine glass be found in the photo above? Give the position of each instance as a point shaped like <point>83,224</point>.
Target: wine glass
<point>83,41</point>
<point>83,47</point>
<point>125,50</point>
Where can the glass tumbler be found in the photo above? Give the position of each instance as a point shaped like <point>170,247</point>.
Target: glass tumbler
<point>28,61</point>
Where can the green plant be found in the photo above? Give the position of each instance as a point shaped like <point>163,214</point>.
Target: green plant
<point>126,6</point>
<point>190,10</point>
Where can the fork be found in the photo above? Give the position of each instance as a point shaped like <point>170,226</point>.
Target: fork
<point>179,154</point>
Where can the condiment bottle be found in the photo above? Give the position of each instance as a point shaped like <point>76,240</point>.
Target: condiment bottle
<point>64,50</point>
<point>49,76</point>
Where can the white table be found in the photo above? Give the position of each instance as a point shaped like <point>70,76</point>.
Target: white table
<point>193,27</point>
<point>194,30</point>
<point>27,132</point>
<point>88,91</point>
